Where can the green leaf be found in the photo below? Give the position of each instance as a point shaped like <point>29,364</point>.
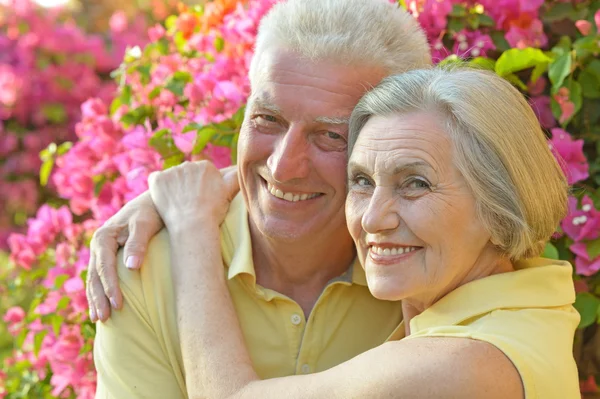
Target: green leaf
<point>154,93</point>
<point>458,10</point>
<point>483,63</point>
<point>590,84</point>
<point>558,12</point>
<point>45,171</point>
<point>60,280</point>
<point>173,160</point>
<point>499,40</point>
<point>171,22</point>
<point>558,70</point>
<point>515,60</point>
<point>56,321</point>
<point>54,113</point>
<point>550,252</point>
<point>37,341</point>
<point>456,25</point>
<point>238,117</point>
<point>514,79</point>
<point>486,20</point>
<point>99,182</point>
<point>144,72</point>
<point>64,148</point>
<point>587,306</point>
<point>219,44</point>
<point>176,86</point>
<point>575,94</point>
<point>593,248</point>
<point>203,137</point>
<point>138,115</point>
<point>162,141</point>
<point>88,331</point>
<point>63,303</point>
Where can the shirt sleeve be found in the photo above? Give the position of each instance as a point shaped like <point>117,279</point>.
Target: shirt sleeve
<point>137,351</point>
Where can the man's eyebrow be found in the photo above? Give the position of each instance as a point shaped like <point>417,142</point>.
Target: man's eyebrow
<point>259,103</point>
<point>332,121</point>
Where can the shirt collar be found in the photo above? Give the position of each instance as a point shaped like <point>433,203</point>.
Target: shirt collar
<point>237,247</point>
<point>536,283</point>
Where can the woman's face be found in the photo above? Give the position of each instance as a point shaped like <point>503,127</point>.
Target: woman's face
<point>409,210</point>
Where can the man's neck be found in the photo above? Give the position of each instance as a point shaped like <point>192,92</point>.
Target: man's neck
<point>301,269</point>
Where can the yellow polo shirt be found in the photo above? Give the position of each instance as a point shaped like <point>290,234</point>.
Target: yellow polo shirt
<point>137,351</point>
<point>527,314</point>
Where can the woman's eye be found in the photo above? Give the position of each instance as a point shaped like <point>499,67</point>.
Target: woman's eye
<point>362,181</point>
<point>417,183</point>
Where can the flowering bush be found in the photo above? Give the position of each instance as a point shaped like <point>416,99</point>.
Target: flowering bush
<point>48,68</point>
<point>181,97</point>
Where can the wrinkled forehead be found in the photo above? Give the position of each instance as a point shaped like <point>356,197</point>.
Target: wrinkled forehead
<point>283,66</point>
<point>391,140</point>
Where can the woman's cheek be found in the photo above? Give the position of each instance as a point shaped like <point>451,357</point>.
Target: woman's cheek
<point>355,209</point>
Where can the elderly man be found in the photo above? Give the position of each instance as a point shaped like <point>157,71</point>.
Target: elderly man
<point>302,302</point>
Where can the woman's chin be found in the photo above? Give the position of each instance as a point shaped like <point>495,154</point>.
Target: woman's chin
<point>385,290</point>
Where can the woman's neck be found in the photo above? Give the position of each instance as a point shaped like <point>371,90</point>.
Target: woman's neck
<point>488,264</point>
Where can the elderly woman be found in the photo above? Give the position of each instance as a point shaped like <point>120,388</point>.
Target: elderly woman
<point>452,193</point>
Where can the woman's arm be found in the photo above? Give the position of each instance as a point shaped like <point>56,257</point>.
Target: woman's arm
<point>218,366</point>
<point>217,362</point>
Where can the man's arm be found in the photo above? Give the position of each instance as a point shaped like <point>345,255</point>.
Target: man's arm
<point>136,351</point>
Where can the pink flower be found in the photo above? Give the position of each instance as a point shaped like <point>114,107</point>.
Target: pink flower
<point>584,27</point>
<point>583,264</point>
<point>118,22</point>
<point>584,223</point>
<point>570,155</point>
<point>530,36</point>
<point>543,111</point>
<point>14,315</point>
<point>14,318</point>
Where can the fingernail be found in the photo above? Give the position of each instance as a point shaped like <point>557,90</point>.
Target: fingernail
<point>132,262</point>
<point>100,315</point>
<point>93,315</point>
<point>113,302</point>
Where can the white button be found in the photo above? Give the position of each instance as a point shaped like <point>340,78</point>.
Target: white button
<point>305,368</point>
<point>296,319</point>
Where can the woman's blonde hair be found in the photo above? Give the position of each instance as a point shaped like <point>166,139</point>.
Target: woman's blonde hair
<point>499,148</point>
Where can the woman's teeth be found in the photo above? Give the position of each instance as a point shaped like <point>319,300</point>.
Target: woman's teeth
<point>289,196</point>
<point>392,251</point>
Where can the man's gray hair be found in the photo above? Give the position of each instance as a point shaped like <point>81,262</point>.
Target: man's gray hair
<point>373,33</point>
<point>499,148</point>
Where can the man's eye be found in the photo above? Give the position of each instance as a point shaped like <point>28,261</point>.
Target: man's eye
<point>267,118</point>
<point>335,136</point>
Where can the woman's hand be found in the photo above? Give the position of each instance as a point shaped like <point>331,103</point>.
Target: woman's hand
<point>192,193</point>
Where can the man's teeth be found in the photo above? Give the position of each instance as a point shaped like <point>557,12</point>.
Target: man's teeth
<point>290,196</point>
<point>392,251</point>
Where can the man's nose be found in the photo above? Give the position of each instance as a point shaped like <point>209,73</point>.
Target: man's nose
<point>381,214</point>
<point>290,157</point>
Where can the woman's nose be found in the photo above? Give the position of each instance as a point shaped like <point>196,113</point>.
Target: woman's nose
<point>381,214</point>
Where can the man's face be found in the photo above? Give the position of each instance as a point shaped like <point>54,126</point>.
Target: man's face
<point>292,145</point>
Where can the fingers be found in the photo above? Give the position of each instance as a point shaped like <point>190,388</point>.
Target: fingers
<point>105,247</point>
<point>140,234</point>
<point>232,184</point>
<point>99,307</point>
<point>141,230</point>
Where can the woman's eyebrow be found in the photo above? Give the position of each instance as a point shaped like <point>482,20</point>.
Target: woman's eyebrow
<point>410,166</point>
